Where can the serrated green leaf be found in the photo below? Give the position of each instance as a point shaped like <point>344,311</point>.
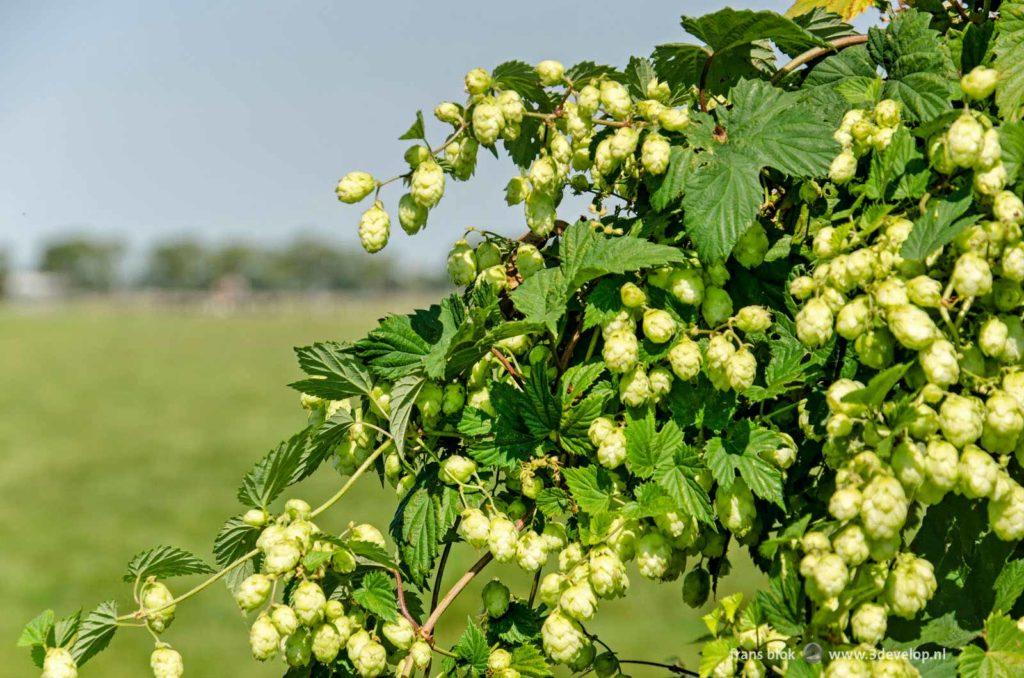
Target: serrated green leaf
<point>939,224</point>
<point>639,72</point>
<point>519,624</point>
<point>472,647</point>
<point>403,398</point>
<point>367,550</point>
<point>729,29</point>
<point>552,501</point>
<point>720,202</point>
<point>65,629</point>
<point>315,559</point>
<point>1011,139</point>
<point>235,540</point>
<point>679,64</point>
<point>529,661</point>
<point>542,298</point>
<point>1009,586</point>
<point>520,77</point>
<point>376,593</point>
<point>648,448</point>
<point>920,72</point>
<point>271,475</point>
<point>37,631</point>
<point>1004,656</point>
<point>590,487</point>
<point>95,632</point>
<point>587,71</point>
<point>876,390</point>
<point>165,561</point>
<point>416,130</point>
<point>335,373</point>
<point>1008,45</point>
<point>666,189</point>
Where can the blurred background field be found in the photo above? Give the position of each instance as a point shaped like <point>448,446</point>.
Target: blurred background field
<point>124,426</point>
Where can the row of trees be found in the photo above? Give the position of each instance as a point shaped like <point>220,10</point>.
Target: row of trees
<point>306,264</point>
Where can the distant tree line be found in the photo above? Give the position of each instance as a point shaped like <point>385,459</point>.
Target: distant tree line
<point>305,264</point>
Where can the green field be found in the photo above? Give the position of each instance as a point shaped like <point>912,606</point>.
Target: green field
<point>121,429</point>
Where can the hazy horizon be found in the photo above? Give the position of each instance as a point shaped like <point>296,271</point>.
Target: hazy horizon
<point>224,122</point>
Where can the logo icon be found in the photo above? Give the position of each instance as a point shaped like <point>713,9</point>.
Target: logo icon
<point>812,653</point>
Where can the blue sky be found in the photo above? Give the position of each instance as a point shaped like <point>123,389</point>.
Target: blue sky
<point>150,120</point>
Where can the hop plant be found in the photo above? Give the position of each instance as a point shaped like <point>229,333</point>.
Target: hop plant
<point>768,333</point>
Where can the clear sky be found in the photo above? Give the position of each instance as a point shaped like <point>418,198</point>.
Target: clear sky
<point>151,120</point>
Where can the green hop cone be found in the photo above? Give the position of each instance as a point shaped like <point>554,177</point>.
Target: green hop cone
<point>516,190</point>
<point>529,260</point>
<point>457,470</point>
<point>674,119</point>
<point>685,358</point>
<point>166,662</point>
<point>550,72</point>
<point>411,215</point>
<point>372,660</point>
<point>421,654</point>
<point>753,319</point>
<point>453,399</point>
<point>615,99</point>
<point>308,601</point>
<point>979,83</point>
<point>735,507</point>
<point>399,633</point>
<point>621,351</point>
<point>158,604</point>
<point>750,249</point>
<point>59,663</point>
<point>374,228</point>
<point>256,517</point>
<point>264,638</point>
<point>843,168</point>
<point>474,527</point>
<point>326,643</point>
<point>606,665</point>
<point>632,296</point>
<point>499,660</point>
<point>253,591</point>
<point>427,184</point>
<point>540,213</point>
<point>495,596</point>
<point>488,121</point>
<point>655,154</point>
<point>696,587</point>
<point>868,623</point>
<point>414,155</point>
<point>887,113</point>
<point>355,186</point>
<point>717,306</point>
<point>659,326</point>
<point>368,533</point>
<point>284,619</point>
<point>512,106</point>
<point>562,637</point>
<point>478,81</point>
<point>964,140</point>
<point>462,266</point>
<point>448,112</point>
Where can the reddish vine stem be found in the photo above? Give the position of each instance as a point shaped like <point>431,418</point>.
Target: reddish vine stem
<point>817,53</point>
<point>401,600</point>
<point>513,372</point>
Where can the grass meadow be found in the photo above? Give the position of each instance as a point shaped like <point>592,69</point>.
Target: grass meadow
<point>123,428</point>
